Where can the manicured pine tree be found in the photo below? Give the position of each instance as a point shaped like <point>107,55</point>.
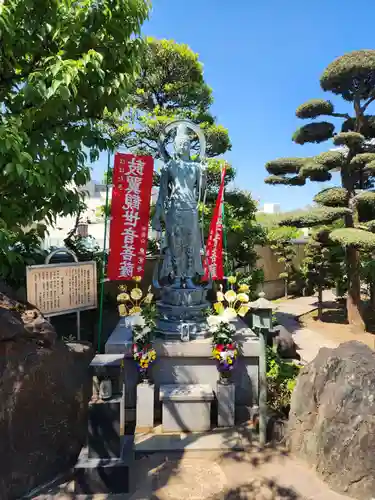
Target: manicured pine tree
<point>351,77</point>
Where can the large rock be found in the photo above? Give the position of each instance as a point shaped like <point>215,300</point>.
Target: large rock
<point>332,418</point>
<point>44,388</point>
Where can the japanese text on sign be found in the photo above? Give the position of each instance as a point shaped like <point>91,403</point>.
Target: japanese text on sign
<point>61,288</point>
<point>130,208</point>
<point>214,251</point>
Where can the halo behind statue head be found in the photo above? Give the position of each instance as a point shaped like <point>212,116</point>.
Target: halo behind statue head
<point>181,126</point>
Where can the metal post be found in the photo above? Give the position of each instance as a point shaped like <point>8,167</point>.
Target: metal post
<point>262,387</point>
<point>78,325</point>
<point>102,272</point>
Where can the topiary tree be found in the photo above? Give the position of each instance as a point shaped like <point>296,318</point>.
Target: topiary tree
<point>281,243</point>
<point>321,268</point>
<point>170,86</point>
<point>352,77</point>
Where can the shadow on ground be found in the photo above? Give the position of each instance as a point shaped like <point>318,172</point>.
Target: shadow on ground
<point>259,489</point>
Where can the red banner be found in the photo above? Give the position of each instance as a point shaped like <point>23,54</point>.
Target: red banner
<point>130,211</point>
<point>214,248</point>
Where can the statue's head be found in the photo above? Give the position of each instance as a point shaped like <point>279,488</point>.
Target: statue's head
<point>182,141</point>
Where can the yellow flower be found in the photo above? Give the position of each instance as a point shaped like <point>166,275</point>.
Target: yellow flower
<point>230,296</point>
<point>136,293</point>
<point>242,311</point>
<point>219,308</point>
<point>220,297</point>
<point>122,310</point>
<point>137,279</point>
<point>148,298</point>
<point>135,310</point>
<point>232,280</point>
<point>123,297</point>
<point>122,288</point>
<point>230,313</point>
<point>243,297</point>
<point>229,360</point>
<point>243,288</point>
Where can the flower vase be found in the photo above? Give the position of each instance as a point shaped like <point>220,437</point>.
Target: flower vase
<point>225,378</point>
<point>143,377</point>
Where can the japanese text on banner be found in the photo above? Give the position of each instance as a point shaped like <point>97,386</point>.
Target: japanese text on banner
<point>130,210</point>
<point>214,250</point>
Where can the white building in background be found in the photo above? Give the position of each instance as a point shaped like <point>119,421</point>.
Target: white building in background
<point>95,200</point>
<point>271,208</point>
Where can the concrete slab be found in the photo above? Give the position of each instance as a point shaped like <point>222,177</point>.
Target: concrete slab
<point>216,439</point>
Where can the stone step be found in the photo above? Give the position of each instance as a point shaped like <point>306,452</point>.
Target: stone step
<point>223,439</point>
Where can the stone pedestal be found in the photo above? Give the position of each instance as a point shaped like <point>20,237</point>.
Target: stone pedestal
<point>190,363</point>
<point>182,313</point>
<point>101,467</point>
<point>225,394</point>
<point>186,407</point>
<point>145,407</point>
<point>95,475</point>
<point>104,436</point>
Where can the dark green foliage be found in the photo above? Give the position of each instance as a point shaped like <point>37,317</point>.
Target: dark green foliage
<point>314,108</point>
<point>354,237</point>
<point>332,197</point>
<point>330,159</point>
<point>281,243</point>
<point>367,127</point>
<point>322,266</point>
<point>351,75</point>
<point>362,159</point>
<point>316,216</point>
<point>281,380</point>
<point>315,172</point>
<point>370,168</point>
<point>349,139</point>
<point>365,203</point>
<point>288,181</point>
<point>63,65</point>
<point>170,86</point>
<point>313,132</point>
<point>367,226</point>
<point>282,166</point>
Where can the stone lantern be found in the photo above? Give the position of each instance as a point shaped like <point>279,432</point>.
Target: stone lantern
<point>262,322</point>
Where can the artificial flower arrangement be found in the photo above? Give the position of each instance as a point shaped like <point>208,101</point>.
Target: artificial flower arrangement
<point>229,305</point>
<point>140,316</point>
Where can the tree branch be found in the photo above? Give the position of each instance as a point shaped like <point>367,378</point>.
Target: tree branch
<point>341,115</point>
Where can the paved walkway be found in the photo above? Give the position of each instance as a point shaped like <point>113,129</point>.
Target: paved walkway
<point>308,341</point>
<point>254,475</point>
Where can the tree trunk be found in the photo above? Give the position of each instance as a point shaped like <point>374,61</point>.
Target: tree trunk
<point>320,302</point>
<point>286,288</point>
<point>353,302</point>
<point>372,295</point>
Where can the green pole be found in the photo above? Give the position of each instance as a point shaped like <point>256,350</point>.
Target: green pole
<point>224,239</point>
<point>102,273</point>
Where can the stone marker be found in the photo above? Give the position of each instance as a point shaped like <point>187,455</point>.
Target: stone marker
<point>145,407</point>
<point>225,394</point>
<point>186,407</point>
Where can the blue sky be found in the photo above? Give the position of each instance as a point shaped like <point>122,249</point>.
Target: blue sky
<point>263,59</point>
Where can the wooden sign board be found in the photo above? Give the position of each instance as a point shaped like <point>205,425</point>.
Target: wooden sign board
<point>62,288</point>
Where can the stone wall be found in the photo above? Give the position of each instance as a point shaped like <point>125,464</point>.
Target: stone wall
<point>273,286</point>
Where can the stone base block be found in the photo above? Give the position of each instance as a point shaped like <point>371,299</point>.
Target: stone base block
<point>186,407</point>
<point>93,475</point>
<point>145,407</point>
<point>104,439</point>
<point>225,394</point>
